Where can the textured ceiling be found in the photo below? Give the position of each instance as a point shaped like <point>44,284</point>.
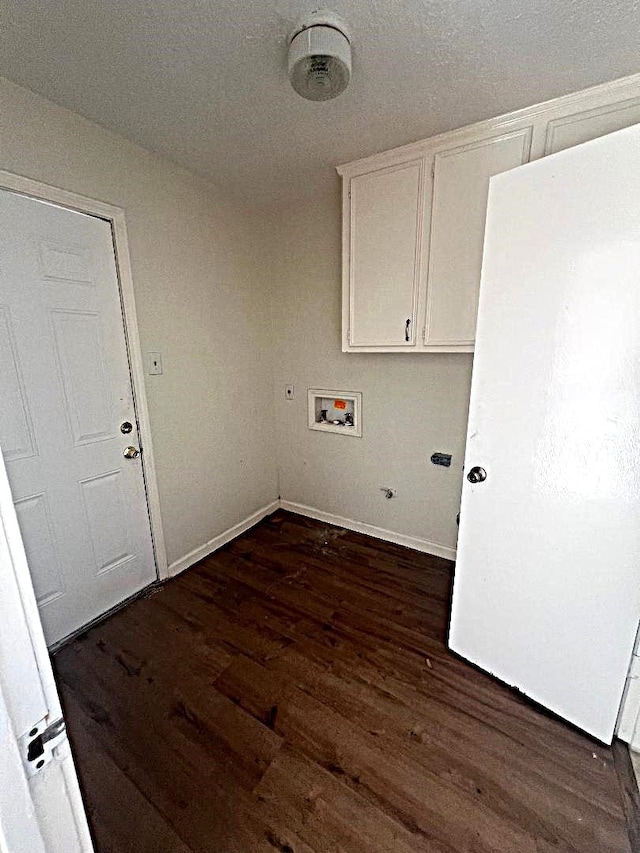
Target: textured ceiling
<point>204,81</point>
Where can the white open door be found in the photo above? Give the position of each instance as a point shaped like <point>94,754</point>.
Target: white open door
<point>547,585</point>
<point>40,804</point>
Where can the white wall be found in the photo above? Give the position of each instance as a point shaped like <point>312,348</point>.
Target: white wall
<point>197,303</point>
<point>207,276</point>
<point>413,405</point>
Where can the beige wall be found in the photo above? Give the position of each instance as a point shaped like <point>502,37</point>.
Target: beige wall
<point>413,405</point>
<point>197,303</point>
<point>239,304</point>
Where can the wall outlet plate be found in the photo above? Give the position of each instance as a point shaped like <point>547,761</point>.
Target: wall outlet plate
<point>289,392</point>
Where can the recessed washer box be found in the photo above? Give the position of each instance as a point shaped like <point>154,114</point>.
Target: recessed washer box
<point>335,411</point>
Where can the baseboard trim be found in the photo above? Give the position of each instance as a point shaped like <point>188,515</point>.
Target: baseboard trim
<point>212,545</point>
<point>414,542</point>
<point>627,781</point>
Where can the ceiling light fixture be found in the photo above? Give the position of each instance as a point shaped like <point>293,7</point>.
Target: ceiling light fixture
<point>320,56</point>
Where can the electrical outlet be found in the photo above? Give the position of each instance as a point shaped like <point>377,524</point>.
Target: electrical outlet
<point>289,392</point>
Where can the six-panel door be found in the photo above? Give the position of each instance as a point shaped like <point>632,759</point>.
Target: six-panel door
<point>65,386</point>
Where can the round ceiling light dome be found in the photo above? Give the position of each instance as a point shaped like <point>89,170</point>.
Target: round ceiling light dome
<point>320,57</point>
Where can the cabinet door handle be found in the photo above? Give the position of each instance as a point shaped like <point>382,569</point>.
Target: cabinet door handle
<point>406,329</point>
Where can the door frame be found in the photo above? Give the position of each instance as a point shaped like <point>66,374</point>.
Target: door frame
<point>115,216</point>
<point>46,811</point>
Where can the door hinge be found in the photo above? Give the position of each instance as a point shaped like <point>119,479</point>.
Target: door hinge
<point>37,745</point>
<point>348,336</point>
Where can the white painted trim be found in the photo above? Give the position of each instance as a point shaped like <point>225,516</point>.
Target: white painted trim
<point>27,806</point>
<point>634,744</point>
<point>414,542</point>
<point>635,763</point>
<point>423,545</point>
<point>116,217</point>
<point>538,122</point>
<point>595,96</point>
<point>123,265</point>
<point>19,829</point>
<point>628,726</point>
<point>526,136</point>
<point>582,115</point>
<point>218,541</point>
<point>418,162</point>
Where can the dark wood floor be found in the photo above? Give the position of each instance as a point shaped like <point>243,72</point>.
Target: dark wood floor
<point>293,694</point>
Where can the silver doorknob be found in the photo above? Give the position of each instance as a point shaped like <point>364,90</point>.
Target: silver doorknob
<point>130,452</point>
<point>477,475</point>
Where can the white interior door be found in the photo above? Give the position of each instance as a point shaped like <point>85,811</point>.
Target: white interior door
<point>66,389</point>
<point>547,591</point>
<point>40,804</point>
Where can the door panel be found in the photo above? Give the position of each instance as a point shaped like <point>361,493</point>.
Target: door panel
<point>65,263</point>
<point>81,356</point>
<point>386,225</point>
<point>105,508</point>
<point>15,420</point>
<point>65,373</point>
<point>546,593</point>
<point>460,189</point>
<point>581,127</point>
<point>42,811</point>
<point>34,517</point>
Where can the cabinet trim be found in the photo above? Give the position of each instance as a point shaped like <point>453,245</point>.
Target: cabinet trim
<point>418,255</point>
<point>601,95</point>
<point>539,124</point>
<point>584,115</point>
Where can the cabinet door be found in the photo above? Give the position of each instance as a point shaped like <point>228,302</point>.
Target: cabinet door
<point>570,130</point>
<point>385,228</point>
<point>461,186</point>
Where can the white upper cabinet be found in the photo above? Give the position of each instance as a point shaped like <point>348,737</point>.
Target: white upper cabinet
<point>414,217</point>
<point>386,212</point>
<point>569,130</point>
<point>460,188</point>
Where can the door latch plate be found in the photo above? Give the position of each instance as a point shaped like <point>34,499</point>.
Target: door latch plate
<point>38,744</point>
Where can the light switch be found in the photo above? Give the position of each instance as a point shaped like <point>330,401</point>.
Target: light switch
<point>154,363</point>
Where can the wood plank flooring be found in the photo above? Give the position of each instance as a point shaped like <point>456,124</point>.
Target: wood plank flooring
<point>293,693</point>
